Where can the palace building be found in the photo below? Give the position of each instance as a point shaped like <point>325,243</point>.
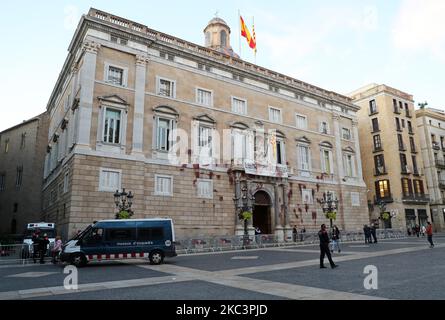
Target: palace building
<point>250,138</point>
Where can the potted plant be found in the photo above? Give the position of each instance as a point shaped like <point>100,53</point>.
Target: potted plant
<point>124,214</point>
<point>331,215</point>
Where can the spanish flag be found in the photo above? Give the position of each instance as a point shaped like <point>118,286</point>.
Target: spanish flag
<point>245,33</point>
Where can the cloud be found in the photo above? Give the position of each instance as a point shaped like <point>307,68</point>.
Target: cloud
<point>419,28</point>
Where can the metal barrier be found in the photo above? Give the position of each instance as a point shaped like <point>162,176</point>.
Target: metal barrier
<point>18,253</point>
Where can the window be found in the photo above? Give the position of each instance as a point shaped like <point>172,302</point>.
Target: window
<point>414,160</point>
<point>166,88</point>
<point>163,185</point>
<point>407,110</point>
<point>306,195</point>
<point>418,187</point>
<point>301,121</point>
<point>205,188</point>
<point>324,127</point>
<point>112,126</point>
<point>19,177</point>
<point>407,187</point>
<point>223,36</point>
<point>109,179</point>
<point>441,142</point>
<point>326,161</point>
<point>349,165</point>
<point>205,142</point>
<point>382,189</point>
<point>377,143</point>
<point>400,140</point>
<point>375,125</point>
<point>410,128</point>
<point>346,133</point>
<point>120,234</point>
<point>403,123</point>
<point>280,152</point>
<point>274,115</point>
<point>394,103</point>
<point>115,76</point>
<point>164,127</point>
<point>304,158</point>
<point>15,207</point>
<point>379,162</point>
<point>2,181</point>
<point>403,163</point>
<point>150,234</point>
<point>66,181</point>
<point>398,125</point>
<point>355,199</point>
<point>239,146</point>
<point>23,140</point>
<point>204,97</point>
<point>412,145</point>
<point>400,105</point>
<point>372,107</point>
<point>6,145</point>
<point>239,106</point>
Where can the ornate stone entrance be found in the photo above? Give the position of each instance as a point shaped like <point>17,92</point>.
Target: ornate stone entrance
<point>262,213</point>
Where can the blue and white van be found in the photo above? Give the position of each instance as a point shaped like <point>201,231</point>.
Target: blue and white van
<point>122,239</point>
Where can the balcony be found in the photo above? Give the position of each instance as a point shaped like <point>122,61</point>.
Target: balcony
<point>416,198</point>
<point>406,169</point>
<point>436,145</point>
<point>408,114</point>
<point>442,184</point>
<point>440,164</point>
<point>386,199</point>
<point>410,130</point>
<point>402,147</point>
<point>417,172</point>
<point>396,110</point>
<point>377,149</point>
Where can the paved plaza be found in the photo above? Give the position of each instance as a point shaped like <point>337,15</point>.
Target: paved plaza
<point>407,269</point>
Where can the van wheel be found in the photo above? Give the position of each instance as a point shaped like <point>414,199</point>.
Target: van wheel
<point>78,259</point>
<point>156,257</point>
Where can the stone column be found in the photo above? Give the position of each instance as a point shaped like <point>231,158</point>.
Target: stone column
<point>250,204</point>
<point>287,227</point>
<point>338,151</point>
<point>87,78</point>
<point>278,226</point>
<point>139,98</point>
<point>358,157</point>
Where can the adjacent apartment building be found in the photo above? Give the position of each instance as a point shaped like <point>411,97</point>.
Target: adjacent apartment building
<point>431,128</point>
<point>22,156</point>
<point>391,155</point>
<point>250,138</point>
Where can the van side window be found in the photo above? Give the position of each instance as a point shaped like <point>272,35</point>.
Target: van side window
<point>150,234</point>
<point>120,234</point>
<point>94,236</point>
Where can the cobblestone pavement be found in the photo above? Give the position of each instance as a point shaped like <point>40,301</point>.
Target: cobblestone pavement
<point>260,274</point>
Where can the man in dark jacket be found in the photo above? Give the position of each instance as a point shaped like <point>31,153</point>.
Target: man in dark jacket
<point>35,244</point>
<point>42,247</point>
<point>324,247</point>
<point>373,233</point>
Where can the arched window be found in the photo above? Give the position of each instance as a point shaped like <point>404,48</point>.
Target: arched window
<point>223,38</point>
<point>207,39</point>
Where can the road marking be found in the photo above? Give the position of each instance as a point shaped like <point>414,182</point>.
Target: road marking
<point>358,246</point>
<point>244,258</point>
<point>30,274</point>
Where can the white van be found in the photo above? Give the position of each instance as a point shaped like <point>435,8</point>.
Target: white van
<point>44,227</point>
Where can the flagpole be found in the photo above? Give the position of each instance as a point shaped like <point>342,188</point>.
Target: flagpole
<point>239,32</point>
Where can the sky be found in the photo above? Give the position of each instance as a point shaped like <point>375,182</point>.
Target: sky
<point>338,45</point>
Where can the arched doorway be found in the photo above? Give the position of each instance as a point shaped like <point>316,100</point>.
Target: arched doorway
<point>261,212</point>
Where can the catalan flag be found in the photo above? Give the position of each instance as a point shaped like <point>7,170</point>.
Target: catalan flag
<point>245,33</point>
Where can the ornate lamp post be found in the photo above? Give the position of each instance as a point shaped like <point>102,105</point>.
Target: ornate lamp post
<point>123,201</point>
<point>245,212</point>
<point>329,204</point>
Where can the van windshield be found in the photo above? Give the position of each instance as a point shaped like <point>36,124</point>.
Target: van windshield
<point>51,233</point>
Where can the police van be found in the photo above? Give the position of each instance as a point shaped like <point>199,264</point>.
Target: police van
<point>108,240</point>
<point>45,228</point>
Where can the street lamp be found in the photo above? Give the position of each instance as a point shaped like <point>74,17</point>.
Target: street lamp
<point>245,212</point>
<point>123,201</point>
<point>329,204</point>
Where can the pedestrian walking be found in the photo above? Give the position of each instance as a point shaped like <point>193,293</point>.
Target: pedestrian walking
<point>417,230</point>
<point>335,243</point>
<point>56,250</point>
<point>423,230</point>
<point>373,233</point>
<point>302,232</point>
<point>324,247</point>
<point>429,233</point>
<point>367,232</point>
<point>294,233</point>
<point>35,244</point>
<point>42,247</point>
